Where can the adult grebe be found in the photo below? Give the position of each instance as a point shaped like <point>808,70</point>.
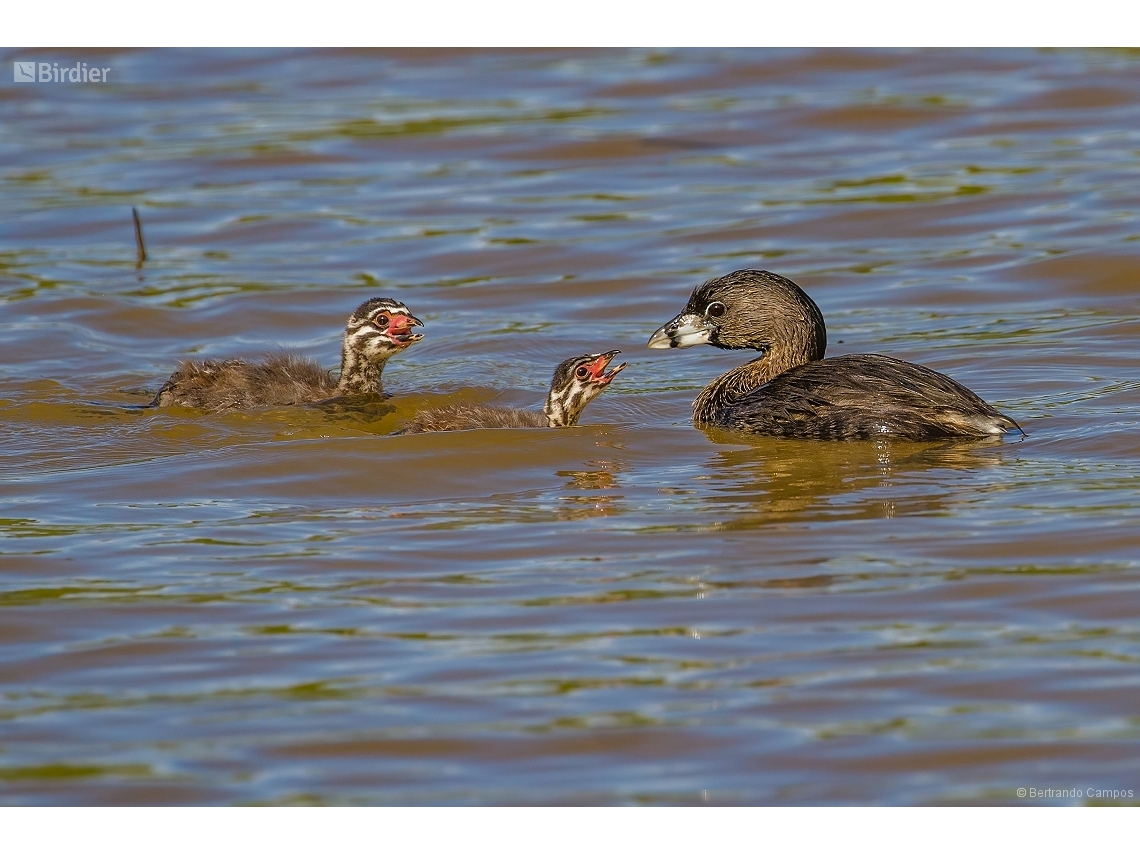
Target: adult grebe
<point>792,391</point>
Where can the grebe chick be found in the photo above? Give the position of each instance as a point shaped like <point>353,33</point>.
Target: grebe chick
<point>576,382</point>
<point>792,391</point>
<point>379,328</point>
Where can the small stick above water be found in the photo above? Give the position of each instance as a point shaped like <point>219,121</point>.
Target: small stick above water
<point>139,238</point>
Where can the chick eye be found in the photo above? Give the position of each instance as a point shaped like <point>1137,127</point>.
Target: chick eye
<point>715,310</point>
<point>582,372</point>
<point>381,321</point>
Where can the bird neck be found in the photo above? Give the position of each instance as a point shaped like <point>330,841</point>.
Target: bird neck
<point>723,392</point>
<point>560,413</point>
<point>359,376</point>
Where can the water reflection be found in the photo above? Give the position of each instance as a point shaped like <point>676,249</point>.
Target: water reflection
<point>590,497</point>
<point>787,480</point>
<point>358,411</point>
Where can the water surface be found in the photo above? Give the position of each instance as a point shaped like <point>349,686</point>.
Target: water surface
<point>293,607</point>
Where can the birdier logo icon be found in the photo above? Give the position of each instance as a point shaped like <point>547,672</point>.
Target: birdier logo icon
<point>51,72</point>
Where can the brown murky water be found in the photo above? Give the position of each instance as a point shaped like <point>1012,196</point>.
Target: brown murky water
<point>293,607</point>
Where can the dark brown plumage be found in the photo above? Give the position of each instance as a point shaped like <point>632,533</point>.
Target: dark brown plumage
<point>379,328</point>
<point>576,382</point>
<point>791,390</point>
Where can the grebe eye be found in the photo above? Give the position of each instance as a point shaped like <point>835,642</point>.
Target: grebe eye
<point>582,372</point>
<point>381,321</point>
<point>715,310</point>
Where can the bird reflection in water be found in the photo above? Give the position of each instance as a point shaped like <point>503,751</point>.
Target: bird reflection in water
<point>595,501</point>
<point>782,480</point>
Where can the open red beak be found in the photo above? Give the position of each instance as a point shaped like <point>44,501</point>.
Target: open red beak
<point>400,328</point>
<point>597,368</point>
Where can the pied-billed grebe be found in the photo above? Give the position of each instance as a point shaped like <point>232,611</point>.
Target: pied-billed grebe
<point>792,391</point>
<point>379,328</point>
<point>576,382</point>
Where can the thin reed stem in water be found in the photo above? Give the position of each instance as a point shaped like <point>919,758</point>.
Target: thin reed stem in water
<point>139,245</point>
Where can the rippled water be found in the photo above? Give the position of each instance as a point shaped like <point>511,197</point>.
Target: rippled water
<point>293,607</point>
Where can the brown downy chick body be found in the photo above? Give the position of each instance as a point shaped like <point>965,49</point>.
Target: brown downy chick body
<point>576,382</point>
<point>378,329</point>
<point>791,390</point>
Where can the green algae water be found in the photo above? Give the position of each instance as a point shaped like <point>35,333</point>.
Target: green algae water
<point>292,607</point>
